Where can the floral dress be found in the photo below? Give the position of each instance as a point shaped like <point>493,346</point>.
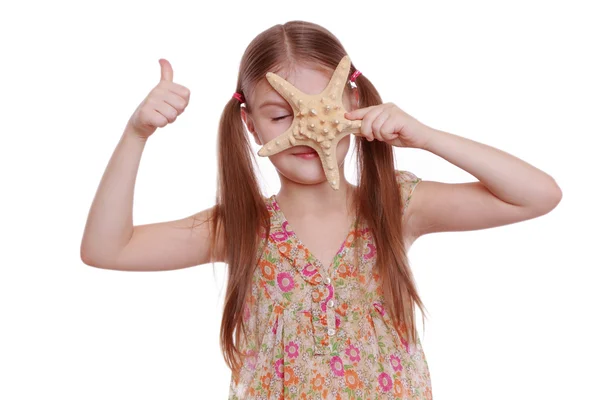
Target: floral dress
<point>322,332</point>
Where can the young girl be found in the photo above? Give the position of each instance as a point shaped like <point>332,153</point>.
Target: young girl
<point>320,296</point>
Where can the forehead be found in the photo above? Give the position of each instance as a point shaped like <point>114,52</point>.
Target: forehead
<point>309,80</point>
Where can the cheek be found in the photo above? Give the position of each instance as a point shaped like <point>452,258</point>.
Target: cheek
<point>268,131</point>
<point>264,134</point>
<point>342,148</point>
<point>346,100</point>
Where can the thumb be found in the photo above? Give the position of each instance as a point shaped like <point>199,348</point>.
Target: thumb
<point>166,71</point>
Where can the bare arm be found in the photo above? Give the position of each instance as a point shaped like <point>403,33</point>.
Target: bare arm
<point>109,225</point>
<point>509,189</point>
<point>110,240</point>
<point>169,245</point>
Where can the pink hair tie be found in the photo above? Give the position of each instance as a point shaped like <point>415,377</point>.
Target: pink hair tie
<point>239,96</point>
<point>355,75</point>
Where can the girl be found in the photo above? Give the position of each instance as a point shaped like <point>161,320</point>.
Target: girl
<point>320,296</point>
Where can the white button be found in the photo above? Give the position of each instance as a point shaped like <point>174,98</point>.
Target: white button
<point>331,332</point>
<point>330,303</point>
<point>328,280</point>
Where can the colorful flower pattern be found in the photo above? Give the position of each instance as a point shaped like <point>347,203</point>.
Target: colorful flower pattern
<point>322,332</point>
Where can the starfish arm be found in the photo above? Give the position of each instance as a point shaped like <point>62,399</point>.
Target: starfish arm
<point>335,87</point>
<point>288,91</point>
<point>332,172</point>
<point>280,143</point>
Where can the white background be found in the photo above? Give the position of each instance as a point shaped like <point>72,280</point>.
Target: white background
<point>513,311</point>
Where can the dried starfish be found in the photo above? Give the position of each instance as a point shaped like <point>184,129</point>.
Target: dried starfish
<point>319,120</point>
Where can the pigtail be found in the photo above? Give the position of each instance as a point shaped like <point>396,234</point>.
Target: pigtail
<point>380,204</point>
<point>240,213</point>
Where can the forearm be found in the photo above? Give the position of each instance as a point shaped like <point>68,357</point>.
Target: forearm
<point>110,220</point>
<point>506,176</point>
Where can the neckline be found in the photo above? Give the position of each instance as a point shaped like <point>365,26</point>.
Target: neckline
<point>338,255</point>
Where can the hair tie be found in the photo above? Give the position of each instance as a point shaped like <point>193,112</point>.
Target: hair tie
<point>355,75</point>
<point>240,97</point>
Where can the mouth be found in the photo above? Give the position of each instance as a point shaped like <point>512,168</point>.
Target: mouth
<point>306,155</point>
<point>306,150</point>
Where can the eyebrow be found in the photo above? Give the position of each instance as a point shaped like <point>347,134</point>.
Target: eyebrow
<point>273,103</point>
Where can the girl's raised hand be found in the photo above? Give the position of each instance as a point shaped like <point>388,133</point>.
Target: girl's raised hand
<point>388,123</point>
<point>162,106</point>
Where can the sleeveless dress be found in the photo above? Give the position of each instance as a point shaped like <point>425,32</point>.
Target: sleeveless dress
<point>322,332</point>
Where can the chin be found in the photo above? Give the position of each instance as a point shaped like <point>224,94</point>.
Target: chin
<point>302,171</point>
<point>305,174</point>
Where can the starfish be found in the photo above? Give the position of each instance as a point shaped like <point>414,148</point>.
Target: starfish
<point>318,122</point>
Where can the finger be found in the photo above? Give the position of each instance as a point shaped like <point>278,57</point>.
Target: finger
<point>175,101</point>
<point>175,88</point>
<point>162,93</point>
<point>377,123</point>
<point>178,89</point>
<point>166,71</point>
<point>366,127</point>
<point>358,113</point>
<point>157,119</point>
<point>166,110</point>
<point>388,130</point>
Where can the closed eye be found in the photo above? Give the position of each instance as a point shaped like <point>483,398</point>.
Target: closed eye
<point>278,118</point>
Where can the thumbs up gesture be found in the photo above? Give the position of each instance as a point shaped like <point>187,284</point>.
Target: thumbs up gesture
<point>165,102</point>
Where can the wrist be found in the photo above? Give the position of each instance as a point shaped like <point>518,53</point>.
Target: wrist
<point>131,132</point>
<point>431,136</point>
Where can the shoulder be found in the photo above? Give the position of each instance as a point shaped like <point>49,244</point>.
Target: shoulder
<point>407,182</point>
<point>405,177</point>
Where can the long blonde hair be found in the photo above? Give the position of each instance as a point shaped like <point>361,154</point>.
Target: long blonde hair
<point>240,211</point>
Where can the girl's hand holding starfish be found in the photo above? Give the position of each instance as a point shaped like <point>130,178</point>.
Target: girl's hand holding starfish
<point>388,123</point>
